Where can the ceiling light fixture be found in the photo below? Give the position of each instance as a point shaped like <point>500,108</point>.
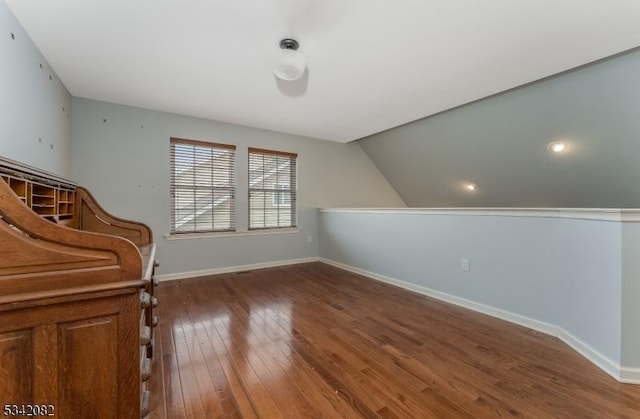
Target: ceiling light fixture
<point>471,186</point>
<point>557,147</point>
<point>291,64</point>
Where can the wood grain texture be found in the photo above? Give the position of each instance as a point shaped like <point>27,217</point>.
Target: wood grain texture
<point>90,379</point>
<point>20,225</point>
<point>46,359</point>
<point>90,216</point>
<point>82,357</point>
<point>70,301</point>
<point>312,340</point>
<point>16,371</point>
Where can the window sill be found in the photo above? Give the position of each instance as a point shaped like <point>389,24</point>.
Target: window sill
<point>191,236</point>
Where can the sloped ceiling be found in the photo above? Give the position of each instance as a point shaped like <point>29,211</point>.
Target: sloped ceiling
<point>372,64</point>
<point>501,144</point>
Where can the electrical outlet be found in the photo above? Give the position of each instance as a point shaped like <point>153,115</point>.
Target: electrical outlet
<point>465,265</point>
<point>309,238</point>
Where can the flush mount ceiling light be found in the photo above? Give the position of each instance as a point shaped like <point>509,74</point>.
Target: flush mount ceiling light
<point>557,147</point>
<point>291,63</point>
<point>471,186</point>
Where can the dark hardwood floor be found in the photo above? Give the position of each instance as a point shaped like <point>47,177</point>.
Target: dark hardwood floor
<point>315,341</point>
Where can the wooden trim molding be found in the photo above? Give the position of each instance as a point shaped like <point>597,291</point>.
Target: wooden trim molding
<point>200,143</point>
<point>272,152</point>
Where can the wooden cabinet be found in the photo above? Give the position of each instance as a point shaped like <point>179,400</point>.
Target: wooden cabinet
<point>76,300</point>
<point>79,355</point>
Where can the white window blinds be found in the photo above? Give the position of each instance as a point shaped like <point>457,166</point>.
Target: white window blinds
<point>202,186</point>
<point>272,189</point>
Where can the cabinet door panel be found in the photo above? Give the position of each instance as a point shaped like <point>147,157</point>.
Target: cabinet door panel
<point>16,372</point>
<point>88,381</point>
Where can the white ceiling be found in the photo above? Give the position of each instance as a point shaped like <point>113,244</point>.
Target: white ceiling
<point>372,64</point>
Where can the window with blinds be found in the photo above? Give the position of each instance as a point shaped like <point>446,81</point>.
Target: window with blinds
<point>202,186</point>
<point>272,189</point>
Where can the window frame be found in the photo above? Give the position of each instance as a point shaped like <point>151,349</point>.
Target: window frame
<point>231,187</point>
<point>292,190</point>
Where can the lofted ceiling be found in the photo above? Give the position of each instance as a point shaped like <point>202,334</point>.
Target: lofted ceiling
<point>504,145</point>
<point>372,64</point>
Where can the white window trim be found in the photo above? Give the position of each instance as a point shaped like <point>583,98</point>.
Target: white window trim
<point>228,234</point>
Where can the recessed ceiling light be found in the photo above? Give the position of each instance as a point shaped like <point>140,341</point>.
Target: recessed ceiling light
<point>471,186</point>
<point>557,147</point>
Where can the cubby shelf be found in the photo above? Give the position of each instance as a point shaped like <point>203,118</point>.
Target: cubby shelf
<point>54,202</point>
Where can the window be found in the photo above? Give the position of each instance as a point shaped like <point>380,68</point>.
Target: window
<point>202,186</point>
<point>272,189</point>
<point>281,199</point>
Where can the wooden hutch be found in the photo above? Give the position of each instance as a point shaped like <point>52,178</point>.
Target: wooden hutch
<point>76,301</point>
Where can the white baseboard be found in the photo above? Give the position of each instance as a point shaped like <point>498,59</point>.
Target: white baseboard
<point>543,327</point>
<point>229,269</point>
<point>601,361</point>
<point>630,375</point>
<point>622,374</point>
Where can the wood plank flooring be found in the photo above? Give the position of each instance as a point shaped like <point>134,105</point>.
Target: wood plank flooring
<point>315,341</point>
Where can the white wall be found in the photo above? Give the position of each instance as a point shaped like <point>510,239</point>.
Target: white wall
<point>121,154</point>
<point>35,127</point>
<point>560,275</point>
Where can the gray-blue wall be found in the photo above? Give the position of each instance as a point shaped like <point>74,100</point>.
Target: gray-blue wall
<point>121,154</point>
<point>35,127</point>
<point>500,144</point>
